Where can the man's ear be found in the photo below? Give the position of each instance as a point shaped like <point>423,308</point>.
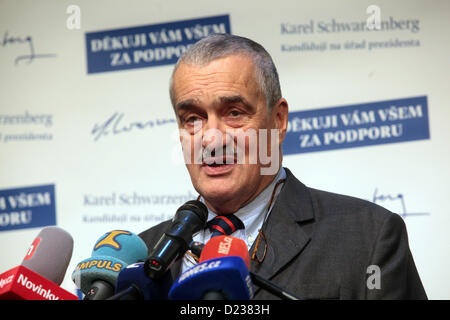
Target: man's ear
<point>280,112</point>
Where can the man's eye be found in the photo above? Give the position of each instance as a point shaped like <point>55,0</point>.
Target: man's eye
<point>192,119</point>
<point>235,113</point>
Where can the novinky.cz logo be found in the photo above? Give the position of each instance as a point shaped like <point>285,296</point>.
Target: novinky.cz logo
<point>44,293</point>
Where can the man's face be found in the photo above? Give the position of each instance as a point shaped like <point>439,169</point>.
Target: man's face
<point>214,105</point>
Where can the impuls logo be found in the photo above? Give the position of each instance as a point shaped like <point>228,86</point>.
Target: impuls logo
<point>110,240</point>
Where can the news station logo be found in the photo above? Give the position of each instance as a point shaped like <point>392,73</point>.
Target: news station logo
<point>150,45</point>
<point>27,207</point>
<point>357,125</point>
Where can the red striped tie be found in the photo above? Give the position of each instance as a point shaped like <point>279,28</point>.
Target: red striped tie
<point>224,225</point>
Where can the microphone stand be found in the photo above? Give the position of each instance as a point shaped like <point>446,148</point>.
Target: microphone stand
<point>273,288</point>
<point>131,293</point>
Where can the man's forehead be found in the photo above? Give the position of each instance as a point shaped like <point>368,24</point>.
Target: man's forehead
<point>224,62</point>
<point>217,101</point>
<point>236,68</point>
<point>223,79</point>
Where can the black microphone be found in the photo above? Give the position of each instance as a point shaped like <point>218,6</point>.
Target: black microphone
<point>133,284</point>
<point>190,218</point>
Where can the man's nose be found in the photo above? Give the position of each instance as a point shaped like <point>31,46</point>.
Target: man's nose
<point>214,135</point>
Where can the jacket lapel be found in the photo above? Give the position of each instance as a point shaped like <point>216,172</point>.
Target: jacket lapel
<point>285,236</point>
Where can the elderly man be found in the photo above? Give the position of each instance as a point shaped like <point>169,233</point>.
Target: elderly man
<point>232,118</point>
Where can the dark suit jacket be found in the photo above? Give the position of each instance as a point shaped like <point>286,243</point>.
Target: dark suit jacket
<point>321,244</point>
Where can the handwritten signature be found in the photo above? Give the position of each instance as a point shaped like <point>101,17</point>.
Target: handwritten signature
<point>28,40</point>
<point>399,198</point>
<point>114,126</point>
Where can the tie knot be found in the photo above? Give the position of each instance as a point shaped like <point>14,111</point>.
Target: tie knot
<point>224,225</point>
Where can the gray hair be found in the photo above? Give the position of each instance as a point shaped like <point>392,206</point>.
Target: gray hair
<point>222,45</point>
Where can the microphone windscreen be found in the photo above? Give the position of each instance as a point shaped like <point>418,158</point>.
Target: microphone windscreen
<point>134,275</point>
<point>222,268</point>
<point>121,244</point>
<point>112,252</point>
<point>225,246</point>
<point>227,276</point>
<point>50,253</point>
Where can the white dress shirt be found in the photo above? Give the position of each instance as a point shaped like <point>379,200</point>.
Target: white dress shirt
<point>252,215</point>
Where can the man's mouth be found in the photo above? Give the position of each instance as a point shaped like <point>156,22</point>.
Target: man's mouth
<point>218,165</point>
<point>215,164</point>
<point>218,161</point>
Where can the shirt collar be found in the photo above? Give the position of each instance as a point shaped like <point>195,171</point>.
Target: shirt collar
<point>253,214</point>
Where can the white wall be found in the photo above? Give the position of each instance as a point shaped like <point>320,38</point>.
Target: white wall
<point>140,162</point>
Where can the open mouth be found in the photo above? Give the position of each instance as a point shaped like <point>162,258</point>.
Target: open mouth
<point>213,165</point>
<point>217,166</point>
<point>218,161</point>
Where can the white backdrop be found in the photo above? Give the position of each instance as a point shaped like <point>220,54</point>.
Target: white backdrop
<point>129,178</point>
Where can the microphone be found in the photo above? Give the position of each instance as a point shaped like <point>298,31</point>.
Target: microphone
<point>42,269</point>
<point>196,248</point>
<point>190,218</point>
<point>133,284</point>
<point>227,249</point>
<point>224,246</point>
<point>113,251</point>
<point>222,273</point>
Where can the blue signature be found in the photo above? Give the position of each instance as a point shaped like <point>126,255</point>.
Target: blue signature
<point>114,126</point>
<point>8,40</point>
<point>396,198</point>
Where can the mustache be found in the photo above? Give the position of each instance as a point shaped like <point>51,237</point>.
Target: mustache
<point>220,154</point>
